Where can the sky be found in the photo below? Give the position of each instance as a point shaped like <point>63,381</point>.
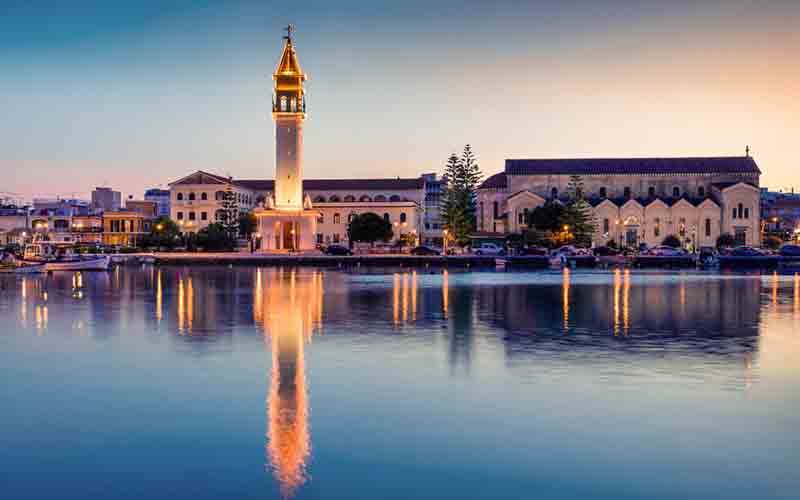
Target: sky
<point>140,93</point>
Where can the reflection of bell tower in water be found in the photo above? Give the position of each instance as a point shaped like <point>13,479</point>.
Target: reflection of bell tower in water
<point>287,222</point>
<point>289,306</point>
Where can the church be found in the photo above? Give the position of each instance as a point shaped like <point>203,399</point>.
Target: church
<point>633,200</point>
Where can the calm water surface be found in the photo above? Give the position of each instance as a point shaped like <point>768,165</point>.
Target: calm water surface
<point>261,383</point>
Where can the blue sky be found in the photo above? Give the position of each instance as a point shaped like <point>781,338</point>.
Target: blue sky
<point>138,94</point>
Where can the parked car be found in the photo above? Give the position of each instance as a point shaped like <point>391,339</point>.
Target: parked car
<point>790,250</point>
<point>665,251</point>
<point>566,250</point>
<point>604,251</point>
<point>337,250</point>
<point>533,251</point>
<point>424,250</point>
<point>490,249</point>
<point>745,251</point>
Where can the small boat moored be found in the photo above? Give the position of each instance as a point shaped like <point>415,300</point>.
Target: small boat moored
<point>61,257</point>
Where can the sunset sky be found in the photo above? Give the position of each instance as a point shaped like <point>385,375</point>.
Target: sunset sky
<point>140,93</point>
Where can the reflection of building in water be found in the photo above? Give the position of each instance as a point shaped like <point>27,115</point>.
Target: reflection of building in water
<point>718,316</point>
<point>289,306</point>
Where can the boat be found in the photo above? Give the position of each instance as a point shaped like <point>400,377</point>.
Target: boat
<point>31,269</point>
<point>61,257</point>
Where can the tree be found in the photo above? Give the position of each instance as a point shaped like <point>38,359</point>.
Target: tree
<point>773,242</point>
<point>215,237</point>
<point>671,241</point>
<point>164,233</point>
<point>458,202</point>
<point>546,217</point>
<point>576,220</point>
<point>247,224</point>
<point>575,187</point>
<point>407,239</point>
<point>725,240</point>
<point>369,227</point>
<point>228,214</point>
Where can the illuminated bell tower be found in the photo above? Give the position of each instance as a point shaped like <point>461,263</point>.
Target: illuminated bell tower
<point>287,221</point>
<point>289,112</point>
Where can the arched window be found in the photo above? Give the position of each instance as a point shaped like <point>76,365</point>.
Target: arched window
<point>334,199</point>
<point>191,196</point>
<point>403,217</point>
<point>293,104</point>
<point>626,192</point>
<point>365,198</point>
<point>319,199</point>
<point>203,196</point>
<point>553,194</point>
<point>741,210</point>
<point>651,191</point>
<point>676,192</point>
<point>701,192</point>
<point>283,103</point>
<point>603,193</point>
<point>337,219</point>
<point>606,226</point>
<point>394,198</point>
<point>219,195</point>
<point>386,216</point>
<point>380,197</point>
<point>350,198</point>
<point>496,210</point>
<point>180,196</point>
<point>708,227</point>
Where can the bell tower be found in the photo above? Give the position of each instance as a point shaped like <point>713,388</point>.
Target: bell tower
<point>287,222</point>
<point>289,112</point>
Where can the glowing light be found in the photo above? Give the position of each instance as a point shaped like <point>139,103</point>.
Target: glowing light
<point>617,289</point>
<point>626,295</point>
<point>565,298</point>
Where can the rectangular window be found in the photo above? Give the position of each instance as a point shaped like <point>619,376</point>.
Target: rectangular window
<point>746,213</point>
<point>203,215</point>
<point>708,228</point>
<point>606,225</point>
<point>734,212</point>
<point>336,237</point>
<point>319,238</point>
<point>191,216</point>
<point>180,215</point>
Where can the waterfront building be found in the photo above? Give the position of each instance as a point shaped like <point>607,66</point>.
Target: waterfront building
<point>633,200</point>
<point>162,199</point>
<point>63,220</point>
<point>124,227</point>
<point>14,224</point>
<point>780,212</point>
<point>105,198</point>
<point>147,208</point>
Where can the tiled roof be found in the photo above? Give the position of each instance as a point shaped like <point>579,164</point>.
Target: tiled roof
<point>389,184</point>
<point>595,166</point>
<point>496,181</point>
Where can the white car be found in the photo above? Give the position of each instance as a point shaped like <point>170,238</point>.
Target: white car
<point>490,249</point>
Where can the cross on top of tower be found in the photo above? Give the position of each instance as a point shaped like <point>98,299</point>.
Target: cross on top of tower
<point>289,29</point>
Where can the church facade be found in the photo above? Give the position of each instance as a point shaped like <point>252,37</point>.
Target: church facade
<point>633,200</point>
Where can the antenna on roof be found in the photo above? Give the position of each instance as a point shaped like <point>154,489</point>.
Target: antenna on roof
<point>747,151</point>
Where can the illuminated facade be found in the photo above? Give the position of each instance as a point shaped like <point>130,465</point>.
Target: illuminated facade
<point>633,200</point>
<point>287,222</point>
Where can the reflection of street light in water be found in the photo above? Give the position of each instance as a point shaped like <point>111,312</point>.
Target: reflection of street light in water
<point>289,307</point>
